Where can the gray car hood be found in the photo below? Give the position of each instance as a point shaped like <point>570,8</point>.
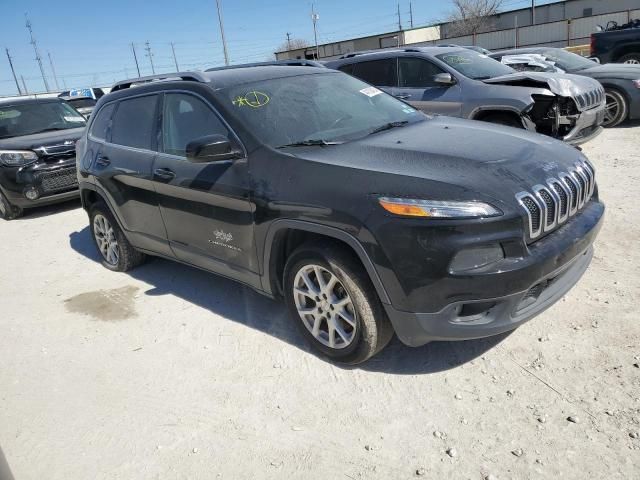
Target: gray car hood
<point>612,70</point>
<point>563,84</point>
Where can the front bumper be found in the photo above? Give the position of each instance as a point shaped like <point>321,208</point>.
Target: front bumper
<point>53,182</point>
<point>553,265</point>
<point>587,126</point>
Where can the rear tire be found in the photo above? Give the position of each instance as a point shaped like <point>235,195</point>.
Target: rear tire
<point>332,300</point>
<point>630,58</point>
<point>502,119</point>
<point>117,253</point>
<point>616,108</point>
<point>8,211</point>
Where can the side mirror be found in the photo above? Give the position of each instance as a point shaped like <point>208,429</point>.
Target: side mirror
<point>444,79</point>
<point>211,148</point>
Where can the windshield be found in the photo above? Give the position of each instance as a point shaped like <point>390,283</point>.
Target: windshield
<point>475,65</point>
<point>329,107</point>
<point>29,118</point>
<point>569,62</point>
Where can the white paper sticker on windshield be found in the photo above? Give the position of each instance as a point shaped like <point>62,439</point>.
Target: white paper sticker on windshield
<point>371,91</point>
<point>74,119</point>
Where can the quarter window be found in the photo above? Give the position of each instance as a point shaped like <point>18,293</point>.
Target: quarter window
<point>186,118</point>
<point>417,73</point>
<point>134,122</point>
<point>382,73</point>
<point>102,122</point>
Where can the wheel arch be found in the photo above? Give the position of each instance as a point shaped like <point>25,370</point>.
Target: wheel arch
<point>285,235</point>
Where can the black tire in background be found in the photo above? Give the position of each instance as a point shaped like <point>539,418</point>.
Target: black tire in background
<point>104,228</point>
<point>7,210</point>
<point>630,58</point>
<point>372,329</point>
<point>616,108</point>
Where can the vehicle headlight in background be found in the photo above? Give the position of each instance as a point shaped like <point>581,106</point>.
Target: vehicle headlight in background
<point>17,158</point>
<point>409,207</point>
<point>636,83</point>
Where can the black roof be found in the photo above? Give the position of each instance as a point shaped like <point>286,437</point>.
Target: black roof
<point>22,100</point>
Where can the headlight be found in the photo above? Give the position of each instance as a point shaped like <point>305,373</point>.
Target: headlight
<point>409,207</point>
<point>636,83</point>
<point>17,158</point>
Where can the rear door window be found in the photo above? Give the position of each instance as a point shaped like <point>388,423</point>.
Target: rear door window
<point>382,73</point>
<point>102,122</point>
<point>134,122</point>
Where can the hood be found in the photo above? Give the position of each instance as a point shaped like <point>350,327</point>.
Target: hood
<point>483,159</point>
<point>46,139</point>
<point>563,84</point>
<point>612,70</point>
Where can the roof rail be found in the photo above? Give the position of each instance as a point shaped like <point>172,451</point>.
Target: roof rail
<point>381,50</point>
<point>188,76</point>
<point>294,62</point>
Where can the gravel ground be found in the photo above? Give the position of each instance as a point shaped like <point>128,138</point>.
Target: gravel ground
<point>169,372</point>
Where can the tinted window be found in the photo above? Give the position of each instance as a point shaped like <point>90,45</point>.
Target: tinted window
<point>133,123</point>
<point>186,118</point>
<point>347,68</point>
<point>378,72</point>
<point>101,123</point>
<point>417,72</point>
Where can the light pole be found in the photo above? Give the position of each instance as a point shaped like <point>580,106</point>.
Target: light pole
<point>314,18</point>
<point>224,41</point>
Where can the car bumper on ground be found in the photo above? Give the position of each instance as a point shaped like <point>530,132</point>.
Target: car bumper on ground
<point>554,265</point>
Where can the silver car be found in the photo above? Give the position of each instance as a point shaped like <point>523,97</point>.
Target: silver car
<point>463,83</point>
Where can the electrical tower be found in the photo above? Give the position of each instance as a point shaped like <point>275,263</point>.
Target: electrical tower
<point>150,55</point>
<point>35,49</point>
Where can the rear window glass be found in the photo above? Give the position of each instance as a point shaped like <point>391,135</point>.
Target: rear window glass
<point>133,123</point>
<point>101,123</point>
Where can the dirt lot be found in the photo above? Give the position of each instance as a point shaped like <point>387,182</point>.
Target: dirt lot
<point>169,372</point>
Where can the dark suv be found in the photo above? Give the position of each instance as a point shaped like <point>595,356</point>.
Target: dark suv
<point>37,153</point>
<point>365,214</point>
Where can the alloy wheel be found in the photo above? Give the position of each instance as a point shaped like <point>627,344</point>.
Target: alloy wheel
<point>4,208</point>
<point>325,307</point>
<point>106,239</point>
<point>632,61</point>
<point>611,110</point>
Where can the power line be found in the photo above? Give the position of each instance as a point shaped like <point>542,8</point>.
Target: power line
<point>35,49</point>
<point>53,69</point>
<point>13,71</point>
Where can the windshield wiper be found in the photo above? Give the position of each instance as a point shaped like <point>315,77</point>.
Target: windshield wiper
<point>315,142</point>
<point>388,126</point>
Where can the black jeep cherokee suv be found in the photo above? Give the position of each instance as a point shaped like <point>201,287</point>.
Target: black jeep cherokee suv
<point>37,153</point>
<point>366,215</point>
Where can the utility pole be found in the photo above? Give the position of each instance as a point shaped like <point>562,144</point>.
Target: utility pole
<point>399,20</point>
<point>135,57</point>
<point>13,71</point>
<point>24,84</point>
<point>314,18</point>
<point>224,41</point>
<point>411,14</point>
<point>150,55</point>
<point>288,42</point>
<point>35,49</point>
<point>53,69</point>
<point>533,12</point>
<point>174,57</point>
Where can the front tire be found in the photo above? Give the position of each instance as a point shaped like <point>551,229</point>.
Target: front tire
<point>8,211</point>
<point>616,108</point>
<point>332,300</point>
<point>115,250</point>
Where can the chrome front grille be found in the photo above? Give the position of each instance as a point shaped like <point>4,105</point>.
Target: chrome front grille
<point>590,99</point>
<point>550,205</point>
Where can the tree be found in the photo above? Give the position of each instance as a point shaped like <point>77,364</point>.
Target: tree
<point>469,17</point>
<point>293,44</point>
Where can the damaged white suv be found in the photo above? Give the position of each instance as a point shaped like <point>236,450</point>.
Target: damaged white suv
<point>463,83</point>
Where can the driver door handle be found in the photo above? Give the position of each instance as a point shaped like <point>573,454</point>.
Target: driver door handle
<point>103,160</point>
<point>164,174</point>
<point>402,96</point>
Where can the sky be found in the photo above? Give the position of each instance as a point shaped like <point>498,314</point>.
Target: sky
<point>90,42</point>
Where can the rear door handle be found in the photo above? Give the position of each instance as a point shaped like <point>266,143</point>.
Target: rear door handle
<point>164,174</point>
<point>402,96</point>
<point>103,160</point>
